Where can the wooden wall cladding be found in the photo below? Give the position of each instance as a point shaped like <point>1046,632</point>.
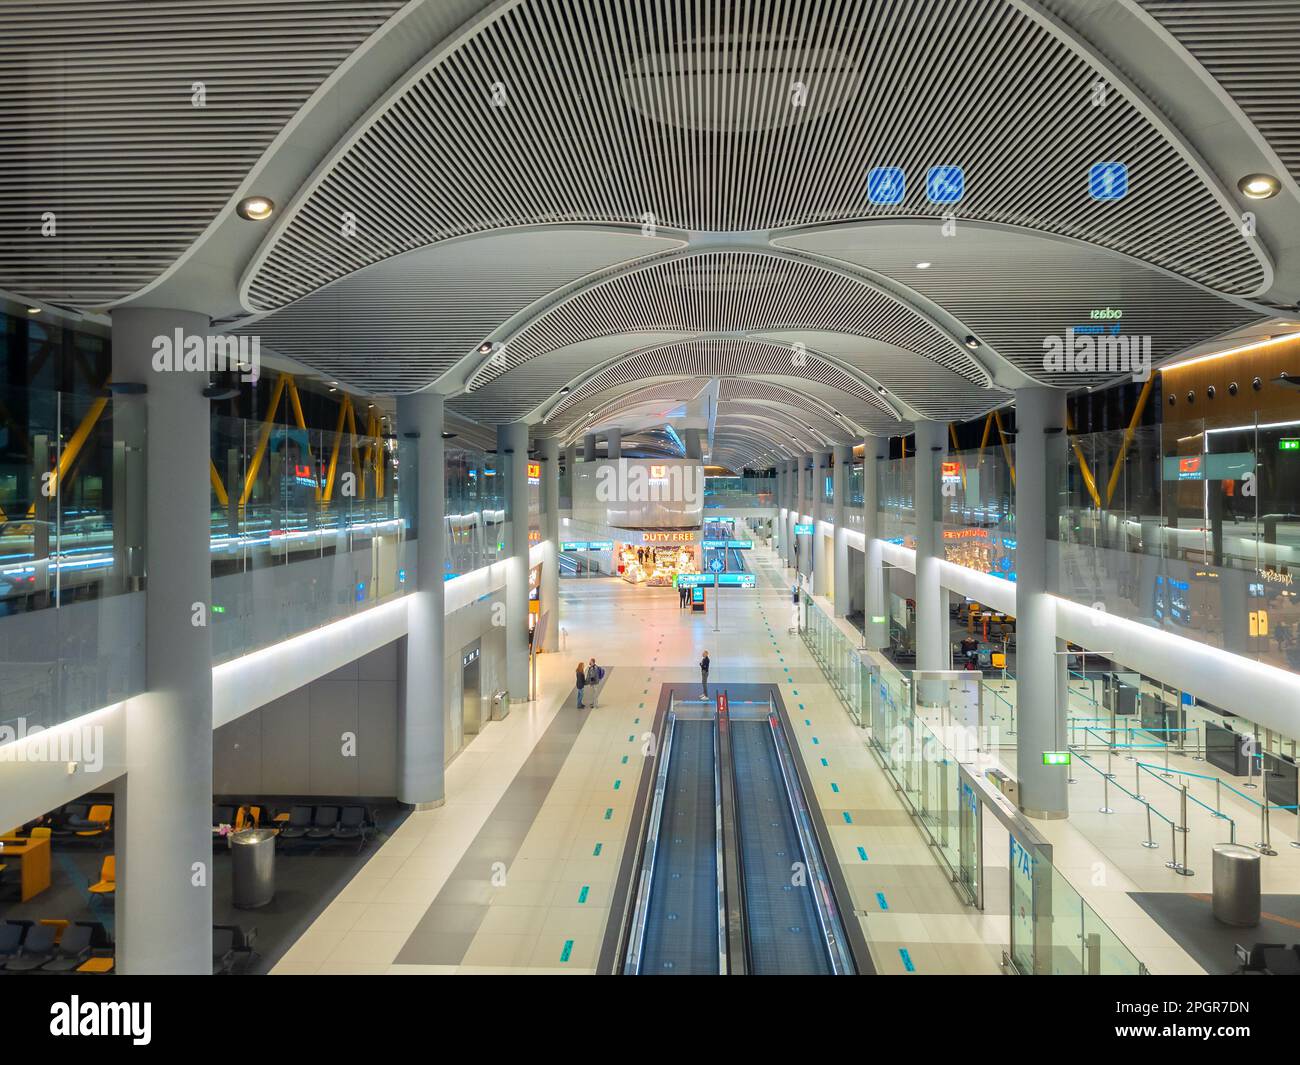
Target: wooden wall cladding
<point>1272,401</point>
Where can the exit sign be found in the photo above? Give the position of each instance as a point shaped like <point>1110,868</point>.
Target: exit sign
<point>1056,758</point>
<point>1291,444</point>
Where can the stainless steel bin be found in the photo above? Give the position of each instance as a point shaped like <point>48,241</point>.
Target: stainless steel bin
<point>1235,879</point>
<point>252,854</point>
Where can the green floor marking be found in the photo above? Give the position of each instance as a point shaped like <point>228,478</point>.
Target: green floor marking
<point>568,949</point>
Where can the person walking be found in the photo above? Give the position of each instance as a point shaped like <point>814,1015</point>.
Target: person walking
<point>704,674</point>
<point>581,681</point>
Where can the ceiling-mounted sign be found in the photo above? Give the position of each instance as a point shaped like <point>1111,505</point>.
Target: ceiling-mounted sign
<point>600,545</point>
<point>728,545</point>
<point>803,530</point>
<point>574,545</point>
<point>723,580</point>
<point>534,473</point>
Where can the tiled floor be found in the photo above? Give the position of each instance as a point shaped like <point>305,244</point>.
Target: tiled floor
<point>515,873</point>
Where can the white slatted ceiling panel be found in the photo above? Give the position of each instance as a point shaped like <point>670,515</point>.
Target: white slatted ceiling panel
<point>613,402</point>
<point>398,325</point>
<point>736,451</point>
<point>682,110</point>
<point>730,292</point>
<point>927,388</point>
<point>759,417</point>
<point>97,125</point>
<point>719,357</point>
<point>868,415</point>
<point>1250,47</point>
<point>1012,288</point>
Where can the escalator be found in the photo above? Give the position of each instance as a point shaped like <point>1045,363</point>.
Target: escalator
<point>730,874</point>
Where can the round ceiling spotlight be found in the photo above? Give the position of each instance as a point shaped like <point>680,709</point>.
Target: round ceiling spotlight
<point>881,389</point>
<point>923,266</point>
<point>485,348</point>
<point>565,390</point>
<point>33,310</point>
<point>1259,186</point>
<point>971,343</point>
<point>256,208</point>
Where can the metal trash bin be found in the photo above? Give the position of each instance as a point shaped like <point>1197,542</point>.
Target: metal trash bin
<point>1235,880</point>
<point>252,855</point>
<point>500,704</point>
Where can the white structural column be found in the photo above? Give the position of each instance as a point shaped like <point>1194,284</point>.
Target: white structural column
<point>512,450</point>
<point>614,443</point>
<point>422,701</point>
<point>843,463</point>
<point>821,463</point>
<point>551,540</point>
<point>802,548</point>
<point>163,833</point>
<point>874,452</point>
<point>932,641</point>
<point>589,448</point>
<point>783,510</point>
<point>1040,672</point>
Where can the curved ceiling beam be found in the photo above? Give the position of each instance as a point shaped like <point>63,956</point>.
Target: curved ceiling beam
<point>569,394</point>
<point>1002,54</point>
<point>783,424</point>
<point>632,289</point>
<point>627,396</point>
<point>1153,115</point>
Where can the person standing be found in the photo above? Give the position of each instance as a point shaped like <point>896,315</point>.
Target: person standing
<point>581,682</point>
<point>595,674</point>
<point>704,674</point>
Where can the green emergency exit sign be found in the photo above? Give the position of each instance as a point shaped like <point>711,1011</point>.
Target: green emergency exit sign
<point>1289,444</point>
<point>1056,758</point>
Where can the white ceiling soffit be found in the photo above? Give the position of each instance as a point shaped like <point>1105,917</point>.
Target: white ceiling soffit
<point>722,357</point>
<point>811,396</point>
<point>836,412</point>
<point>682,115</point>
<point>398,325</point>
<point>618,406</point>
<point>101,125</point>
<point>772,425</point>
<point>716,292</point>
<point>1250,48</point>
<point>1013,288</point>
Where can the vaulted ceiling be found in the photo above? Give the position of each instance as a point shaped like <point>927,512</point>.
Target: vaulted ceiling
<point>568,212</point>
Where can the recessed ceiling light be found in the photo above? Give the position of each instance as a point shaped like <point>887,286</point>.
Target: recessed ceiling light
<point>565,390</point>
<point>33,310</point>
<point>485,348</point>
<point>971,343</point>
<point>923,266</point>
<point>880,389</point>
<point>1259,186</point>
<point>256,208</point>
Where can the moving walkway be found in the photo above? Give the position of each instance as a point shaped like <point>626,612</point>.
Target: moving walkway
<point>730,876</point>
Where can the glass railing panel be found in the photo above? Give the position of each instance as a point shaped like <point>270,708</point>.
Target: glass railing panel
<point>71,555</point>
